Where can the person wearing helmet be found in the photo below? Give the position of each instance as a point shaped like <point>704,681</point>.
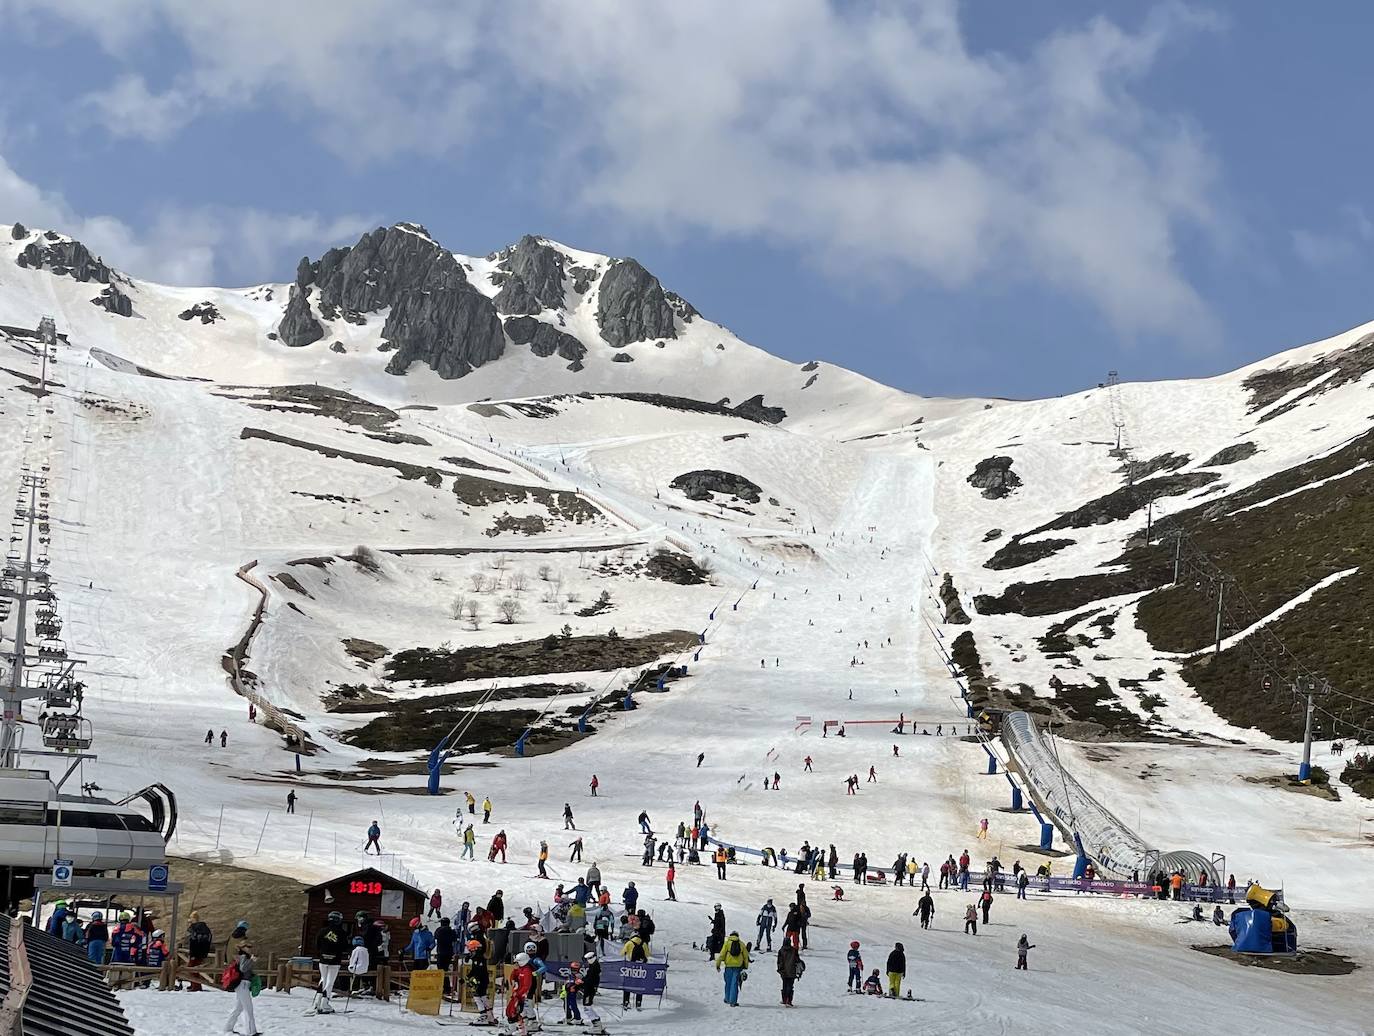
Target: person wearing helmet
<point>734,959</point>
<point>330,946</point>
<point>479,980</point>
<point>589,984</point>
<point>635,952</point>
<point>445,942</point>
<point>374,838</point>
<point>71,927</point>
<point>127,940</point>
<point>59,915</point>
<point>518,996</point>
<point>571,991</point>
<point>421,945</point>
<point>855,984</point>
<point>97,935</point>
<point>156,954</point>
<point>359,962</point>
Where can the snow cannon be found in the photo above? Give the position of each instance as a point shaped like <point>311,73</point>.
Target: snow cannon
<point>1263,927</point>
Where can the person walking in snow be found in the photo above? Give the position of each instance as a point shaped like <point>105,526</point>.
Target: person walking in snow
<point>436,905</point>
<point>469,843</point>
<point>243,992</point>
<point>790,968</point>
<point>734,958</point>
<point>985,901</point>
<point>925,906</point>
<point>671,877</point>
<point>872,775</point>
<point>224,739</point>
<point>807,767</point>
<point>594,785</point>
<point>971,920</point>
<point>209,737</point>
<point>290,802</point>
<point>983,828</point>
<point>374,838</point>
<point>486,810</point>
<point>1023,947</point>
<point>568,824</point>
<point>896,971</point>
<point>576,846</point>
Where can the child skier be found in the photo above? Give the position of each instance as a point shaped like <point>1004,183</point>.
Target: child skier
<point>856,968</point>
<point>1023,946</point>
<point>873,985</point>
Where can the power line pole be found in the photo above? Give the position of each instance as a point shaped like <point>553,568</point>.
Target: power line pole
<point>1178,554</point>
<point>1305,769</point>
<point>1221,596</point>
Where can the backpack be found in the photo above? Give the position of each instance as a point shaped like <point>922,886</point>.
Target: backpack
<point>231,977</point>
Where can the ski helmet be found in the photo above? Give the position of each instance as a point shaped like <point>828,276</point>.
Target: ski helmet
<point>357,940</point>
<point>474,945</point>
<point>124,915</point>
<point>158,934</point>
<point>335,917</point>
<point>414,922</point>
<point>522,959</point>
<point>97,916</point>
<point>589,957</point>
<point>575,965</point>
<point>530,947</point>
<point>854,945</point>
<point>474,927</point>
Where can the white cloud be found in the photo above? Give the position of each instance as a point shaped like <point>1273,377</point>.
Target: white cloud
<point>188,246</point>
<point>868,137</point>
<point>1341,246</point>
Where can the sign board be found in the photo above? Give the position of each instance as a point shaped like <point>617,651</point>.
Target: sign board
<point>426,992</point>
<point>157,878</point>
<point>393,903</point>
<point>61,874</point>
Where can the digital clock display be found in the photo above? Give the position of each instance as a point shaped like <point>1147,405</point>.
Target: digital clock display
<point>365,888</point>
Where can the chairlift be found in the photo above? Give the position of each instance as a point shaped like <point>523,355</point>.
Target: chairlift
<point>66,732</point>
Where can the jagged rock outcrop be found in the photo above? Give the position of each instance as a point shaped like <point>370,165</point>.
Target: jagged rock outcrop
<point>298,325</point>
<point>699,485</point>
<point>19,232</point>
<point>445,323</point>
<point>681,306</point>
<point>338,347</point>
<point>583,278</point>
<point>205,312</point>
<point>64,258</point>
<point>954,608</point>
<point>993,475</point>
<point>535,280</point>
<point>631,306</point>
<point>544,339</point>
<point>436,316</point>
<point>112,300</point>
<point>1231,454</point>
<point>754,409</point>
<point>622,358</point>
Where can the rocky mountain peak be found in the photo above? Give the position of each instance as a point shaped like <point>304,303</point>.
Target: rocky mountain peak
<point>632,307</point>
<point>62,256</point>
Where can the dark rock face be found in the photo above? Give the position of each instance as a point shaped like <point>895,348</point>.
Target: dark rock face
<point>753,408</point>
<point>448,324</point>
<point>631,306</point>
<point>681,306</point>
<point>544,339</point>
<point>954,608</point>
<point>583,279</point>
<point>622,358</point>
<point>536,276</point>
<point>338,347</point>
<point>516,298</point>
<point>298,325</point>
<point>993,475</point>
<point>205,312</point>
<point>19,232</point>
<point>66,259</point>
<point>808,367</point>
<point>436,316</point>
<point>1232,454</point>
<point>699,485</point>
<point>112,300</point>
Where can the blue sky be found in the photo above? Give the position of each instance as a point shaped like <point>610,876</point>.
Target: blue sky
<point>986,198</point>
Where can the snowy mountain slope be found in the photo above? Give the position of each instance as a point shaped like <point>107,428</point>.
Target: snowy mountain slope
<point>160,498</point>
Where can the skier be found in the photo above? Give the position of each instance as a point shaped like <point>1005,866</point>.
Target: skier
<point>873,985</point>
<point>734,958</point>
<point>872,775</point>
<point>594,877</point>
<point>983,828</point>
<point>543,859</point>
<point>469,843</point>
<point>790,968</point>
<point>777,780</point>
<point>894,751</point>
<point>330,946</point>
<point>290,802</point>
<point>97,935</point>
<point>479,981</point>
<point>807,767</point>
<point>224,739</point>
<point>768,924</point>
<point>359,962</point>
<point>630,897</point>
<point>1022,880</point>
<point>700,757</point>
<point>576,847</point>
<point>436,905</point>
<point>720,860</point>
<point>210,737</point>
<point>498,845</point>
<point>374,835</point>
<point>471,801</point>
<point>486,810</point>
<point>671,877</point>
<point>985,901</point>
<point>588,985</point>
<point>896,971</point>
<point>717,939</point>
<point>925,876</point>
<point>925,906</point>
<point>521,983</point>
<point>971,920</point>
<point>1024,946</point>
<point>496,906</point>
<point>595,783</point>
<point>854,984</point>
<point>126,941</point>
<point>648,858</point>
<point>644,827</point>
<point>568,824</point>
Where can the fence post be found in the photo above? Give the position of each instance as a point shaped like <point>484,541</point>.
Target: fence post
<point>219,825</point>
<point>262,832</point>
<point>308,824</point>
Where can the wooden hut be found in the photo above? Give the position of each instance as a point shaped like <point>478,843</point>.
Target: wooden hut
<point>380,896</point>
